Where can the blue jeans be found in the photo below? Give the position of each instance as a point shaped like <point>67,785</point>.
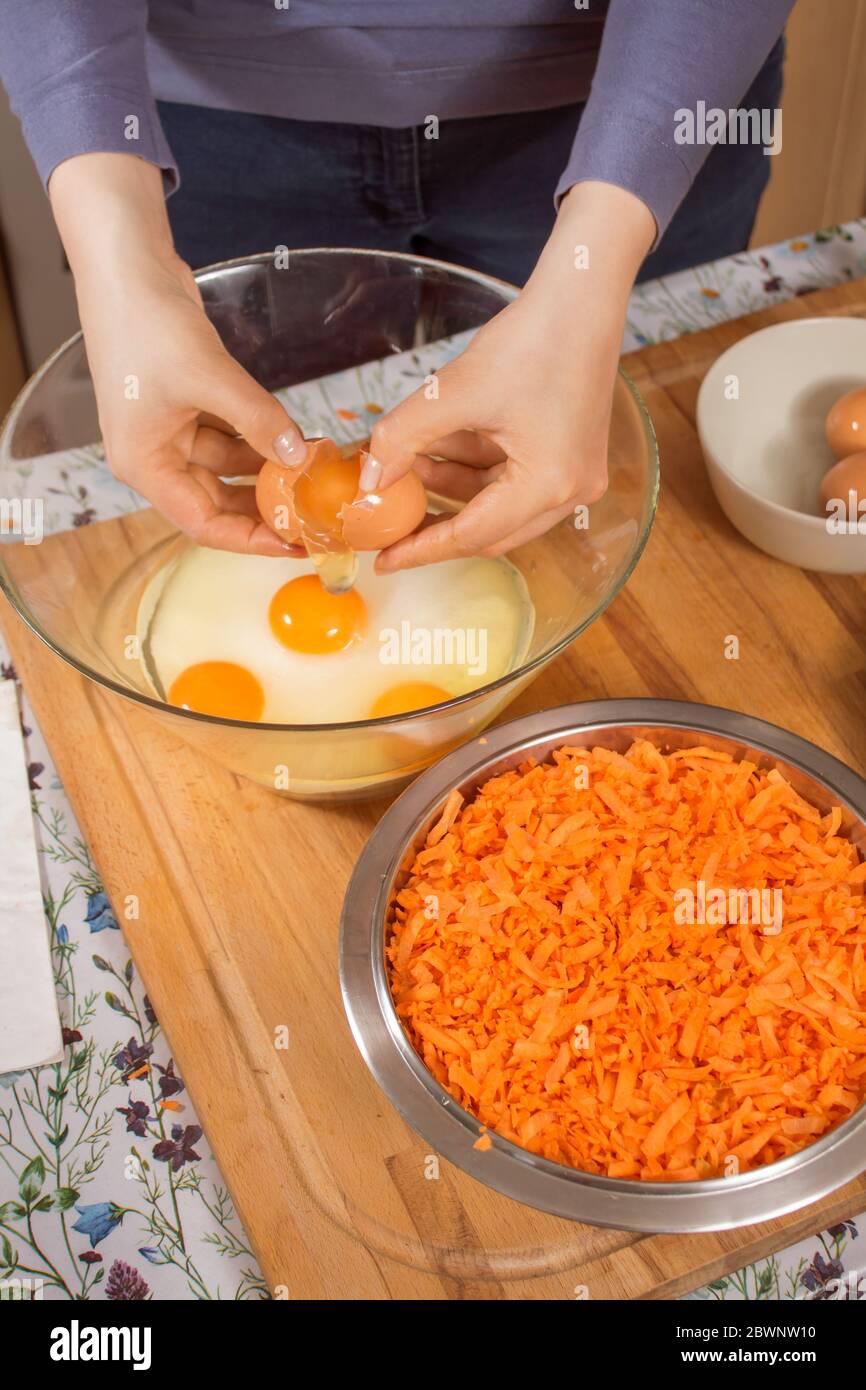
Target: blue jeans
<point>479,195</point>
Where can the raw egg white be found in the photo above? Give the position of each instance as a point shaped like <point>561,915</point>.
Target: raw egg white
<point>254,638</point>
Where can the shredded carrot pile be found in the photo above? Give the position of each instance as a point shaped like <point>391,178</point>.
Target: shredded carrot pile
<point>543,965</point>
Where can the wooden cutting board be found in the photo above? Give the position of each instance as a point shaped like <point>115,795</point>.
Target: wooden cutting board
<point>240,894</point>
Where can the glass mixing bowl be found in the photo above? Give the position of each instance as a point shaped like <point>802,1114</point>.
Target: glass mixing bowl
<point>79,548</point>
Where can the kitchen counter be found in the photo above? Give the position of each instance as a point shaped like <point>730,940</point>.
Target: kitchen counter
<point>117,1099</point>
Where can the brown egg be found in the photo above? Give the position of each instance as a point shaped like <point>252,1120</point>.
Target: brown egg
<point>846,424</point>
<point>322,504</point>
<point>846,482</point>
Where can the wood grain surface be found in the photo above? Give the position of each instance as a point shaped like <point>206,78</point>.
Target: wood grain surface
<point>240,894</point>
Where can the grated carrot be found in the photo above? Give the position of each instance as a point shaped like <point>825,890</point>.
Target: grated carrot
<point>554,991</point>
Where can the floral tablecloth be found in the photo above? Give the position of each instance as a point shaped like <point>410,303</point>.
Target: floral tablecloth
<point>107,1185</point>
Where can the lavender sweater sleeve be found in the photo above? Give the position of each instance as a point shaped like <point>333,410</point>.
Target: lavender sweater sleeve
<point>658,57</point>
<point>77,71</point>
<point>75,74</point>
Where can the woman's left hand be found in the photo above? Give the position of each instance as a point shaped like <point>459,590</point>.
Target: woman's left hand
<point>517,425</point>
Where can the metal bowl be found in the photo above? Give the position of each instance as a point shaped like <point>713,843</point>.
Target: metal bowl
<point>710,1204</point>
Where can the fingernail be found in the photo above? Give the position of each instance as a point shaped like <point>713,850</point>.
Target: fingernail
<point>290,448</point>
<point>371,472</point>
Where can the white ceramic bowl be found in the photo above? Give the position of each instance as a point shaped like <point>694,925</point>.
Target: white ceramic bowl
<point>760,418</point>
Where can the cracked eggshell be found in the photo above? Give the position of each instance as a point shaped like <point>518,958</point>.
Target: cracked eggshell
<point>275,499</point>
<point>304,504</point>
<point>379,519</point>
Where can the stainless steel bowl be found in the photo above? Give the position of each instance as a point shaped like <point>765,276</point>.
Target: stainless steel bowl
<point>713,1204</point>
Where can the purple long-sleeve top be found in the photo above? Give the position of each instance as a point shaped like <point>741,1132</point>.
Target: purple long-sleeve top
<point>78,70</point>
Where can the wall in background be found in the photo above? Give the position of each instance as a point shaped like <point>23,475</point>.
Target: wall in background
<point>11,362</point>
<point>819,177</point>
<point>41,283</point>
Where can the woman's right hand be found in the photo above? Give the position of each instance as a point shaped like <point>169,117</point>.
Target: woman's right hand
<point>178,414</point>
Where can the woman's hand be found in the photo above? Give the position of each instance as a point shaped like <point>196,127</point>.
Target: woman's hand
<point>177,412</point>
<point>518,425</point>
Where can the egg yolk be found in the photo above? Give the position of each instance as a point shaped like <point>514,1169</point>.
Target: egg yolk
<point>219,687</point>
<point>306,618</point>
<point>400,699</point>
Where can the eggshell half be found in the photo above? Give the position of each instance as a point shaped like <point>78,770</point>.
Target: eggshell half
<point>275,488</point>
<point>275,499</point>
<point>378,519</point>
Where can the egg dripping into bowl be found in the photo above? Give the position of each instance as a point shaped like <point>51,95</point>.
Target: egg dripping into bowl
<point>264,639</point>
<point>322,507</point>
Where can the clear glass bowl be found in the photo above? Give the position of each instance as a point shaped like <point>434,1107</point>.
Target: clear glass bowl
<point>326,312</point>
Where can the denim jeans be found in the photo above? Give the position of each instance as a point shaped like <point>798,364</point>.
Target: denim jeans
<point>479,195</point>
